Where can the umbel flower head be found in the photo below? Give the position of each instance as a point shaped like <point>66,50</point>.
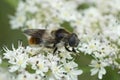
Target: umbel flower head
<point>36,63</point>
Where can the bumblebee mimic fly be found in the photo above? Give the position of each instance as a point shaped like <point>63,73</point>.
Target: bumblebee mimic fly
<point>51,39</point>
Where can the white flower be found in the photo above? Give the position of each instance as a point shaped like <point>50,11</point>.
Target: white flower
<point>33,24</point>
<point>98,67</point>
<point>71,71</point>
<point>90,46</point>
<point>31,6</point>
<point>65,55</point>
<point>67,13</point>
<point>17,57</point>
<point>56,71</point>
<point>52,58</point>
<point>21,7</point>
<point>32,50</point>
<point>17,21</point>
<point>39,63</point>
<point>19,63</point>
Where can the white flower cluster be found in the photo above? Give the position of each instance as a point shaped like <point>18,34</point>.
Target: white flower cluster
<point>108,6</point>
<point>38,64</point>
<point>95,21</point>
<point>43,13</point>
<point>104,54</point>
<point>99,35</point>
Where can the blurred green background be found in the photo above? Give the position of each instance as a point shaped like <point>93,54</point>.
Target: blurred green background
<point>9,36</point>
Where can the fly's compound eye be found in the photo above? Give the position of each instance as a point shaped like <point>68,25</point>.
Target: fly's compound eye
<point>73,40</point>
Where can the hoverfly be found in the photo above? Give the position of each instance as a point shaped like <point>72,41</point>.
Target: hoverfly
<point>51,39</point>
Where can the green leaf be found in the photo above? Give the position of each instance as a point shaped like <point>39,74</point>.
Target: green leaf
<point>67,26</point>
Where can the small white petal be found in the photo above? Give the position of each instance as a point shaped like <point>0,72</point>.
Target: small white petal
<point>13,68</point>
<point>101,73</point>
<point>77,72</point>
<point>94,71</point>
